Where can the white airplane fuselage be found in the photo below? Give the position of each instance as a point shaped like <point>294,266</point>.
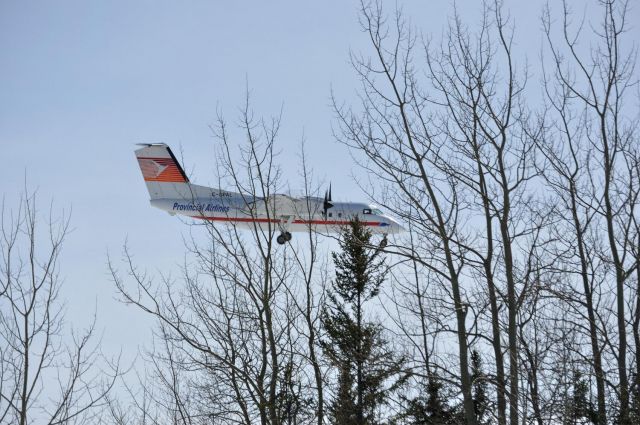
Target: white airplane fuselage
<point>171,191</point>
<point>233,208</point>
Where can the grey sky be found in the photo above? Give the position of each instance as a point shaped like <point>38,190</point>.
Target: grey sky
<point>82,81</point>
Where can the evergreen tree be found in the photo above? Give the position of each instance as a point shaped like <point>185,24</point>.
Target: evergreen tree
<point>580,409</point>
<point>431,408</point>
<point>479,382</point>
<point>293,408</point>
<point>368,370</point>
<point>634,410</point>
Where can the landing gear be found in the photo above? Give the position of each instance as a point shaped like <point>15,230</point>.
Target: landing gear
<point>285,223</point>
<point>283,237</point>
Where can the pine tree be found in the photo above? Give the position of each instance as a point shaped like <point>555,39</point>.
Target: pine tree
<point>479,382</point>
<point>580,409</point>
<point>430,406</point>
<point>292,407</point>
<point>368,370</point>
<point>634,410</point>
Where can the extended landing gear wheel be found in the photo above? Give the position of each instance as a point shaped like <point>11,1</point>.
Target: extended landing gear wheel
<point>283,238</point>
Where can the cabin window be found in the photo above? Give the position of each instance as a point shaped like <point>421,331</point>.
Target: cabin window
<point>366,211</point>
<point>330,214</point>
<point>339,214</point>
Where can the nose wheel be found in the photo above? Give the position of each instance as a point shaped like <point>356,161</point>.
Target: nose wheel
<point>283,238</point>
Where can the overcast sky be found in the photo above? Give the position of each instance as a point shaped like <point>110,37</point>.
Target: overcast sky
<point>82,81</point>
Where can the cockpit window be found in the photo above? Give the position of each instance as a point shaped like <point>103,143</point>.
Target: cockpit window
<point>366,211</point>
<point>376,211</point>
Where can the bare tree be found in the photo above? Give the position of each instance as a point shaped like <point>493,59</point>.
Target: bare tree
<point>486,120</point>
<point>313,275</point>
<point>450,140</point>
<point>239,326</point>
<point>463,159</point>
<point>592,156</point>
<point>46,375</point>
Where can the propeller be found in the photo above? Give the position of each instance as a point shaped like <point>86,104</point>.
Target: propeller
<point>327,201</point>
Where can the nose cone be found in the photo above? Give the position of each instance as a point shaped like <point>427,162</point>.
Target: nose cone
<point>397,228</point>
<point>393,226</point>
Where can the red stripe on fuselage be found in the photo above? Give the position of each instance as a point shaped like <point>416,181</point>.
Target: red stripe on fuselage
<point>272,220</point>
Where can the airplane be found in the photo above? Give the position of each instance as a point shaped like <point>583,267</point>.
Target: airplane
<point>170,190</point>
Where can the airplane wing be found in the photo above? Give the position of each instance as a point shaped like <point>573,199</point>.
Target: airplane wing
<point>280,205</point>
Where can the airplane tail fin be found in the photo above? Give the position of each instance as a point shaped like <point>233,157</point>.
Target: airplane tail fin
<point>162,172</point>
